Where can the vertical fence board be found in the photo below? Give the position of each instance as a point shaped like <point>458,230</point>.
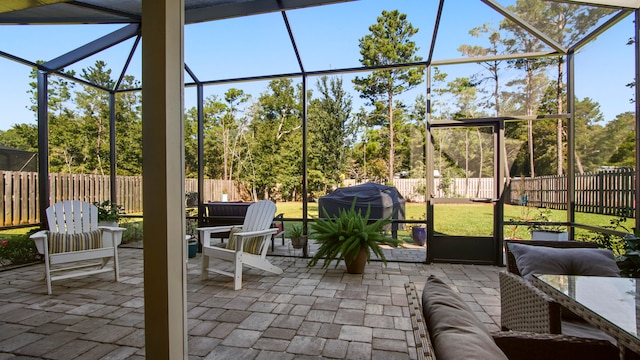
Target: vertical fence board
<point>3,197</point>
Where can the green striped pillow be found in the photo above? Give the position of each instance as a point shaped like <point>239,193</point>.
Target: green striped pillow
<point>252,245</point>
<point>61,242</point>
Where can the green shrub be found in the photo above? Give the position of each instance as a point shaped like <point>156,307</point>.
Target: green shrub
<point>609,241</point>
<point>629,262</point>
<point>133,232</point>
<point>343,235</point>
<point>17,250</point>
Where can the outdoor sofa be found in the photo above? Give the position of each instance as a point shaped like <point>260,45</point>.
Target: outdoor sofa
<point>445,328</point>
<point>525,307</point>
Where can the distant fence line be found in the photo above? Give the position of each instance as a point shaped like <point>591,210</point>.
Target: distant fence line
<point>19,200</point>
<point>414,189</point>
<point>606,192</point>
<point>609,193</point>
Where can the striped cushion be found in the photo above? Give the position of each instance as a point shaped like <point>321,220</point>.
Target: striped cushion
<point>251,245</point>
<point>61,242</point>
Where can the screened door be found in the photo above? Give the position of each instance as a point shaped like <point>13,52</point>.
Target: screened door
<point>464,206</point>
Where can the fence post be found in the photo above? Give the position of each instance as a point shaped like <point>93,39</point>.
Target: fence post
<point>600,192</point>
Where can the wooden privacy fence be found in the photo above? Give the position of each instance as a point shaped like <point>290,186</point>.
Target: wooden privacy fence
<point>19,200</point>
<point>414,189</point>
<point>214,189</point>
<point>609,192</point>
<point>605,192</point>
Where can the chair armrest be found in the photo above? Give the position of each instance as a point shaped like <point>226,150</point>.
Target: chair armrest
<point>247,234</point>
<point>518,345</point>
<point>111,235</point>
<point>112,229</point>
<point>216,229</point>
<point>526,308</point>
<point>40,240</point>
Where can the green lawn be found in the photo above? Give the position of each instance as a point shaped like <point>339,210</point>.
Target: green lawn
<point>468,219</point>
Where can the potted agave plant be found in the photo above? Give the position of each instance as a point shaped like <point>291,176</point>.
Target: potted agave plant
<point>350,236</point>
<point>298,239</point>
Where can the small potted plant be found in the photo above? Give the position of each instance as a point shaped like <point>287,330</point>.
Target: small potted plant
<point>109,213</point>
<point>351,237</point>
<point>541,231</point>
<point>192,198</point>
<point>419,234</point>
<point>298,239</point>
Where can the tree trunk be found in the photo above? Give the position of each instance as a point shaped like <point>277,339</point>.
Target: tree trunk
<point>559,146</point>
<point>559,125</point>
<point>496,95</point>
<point>391,135</point>
<point>225,151</point>
<point>579,163</point>
<point>530,141</point>
<point>466,162</point>
<point>481,161</point>
<point>529,97</point>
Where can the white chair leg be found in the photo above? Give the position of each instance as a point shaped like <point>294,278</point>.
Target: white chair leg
<point>204,272</point>
<point>237,279</point>
<point>116,265</point>
<point>271,268</point>
<point>47,273</point>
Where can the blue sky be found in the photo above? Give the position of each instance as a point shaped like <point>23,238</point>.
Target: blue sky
<point>327,38</point>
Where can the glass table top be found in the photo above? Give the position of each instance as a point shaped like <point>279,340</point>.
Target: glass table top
<point>615,299</point>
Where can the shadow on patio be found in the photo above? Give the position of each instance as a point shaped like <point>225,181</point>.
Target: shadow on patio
<point>305,312</point>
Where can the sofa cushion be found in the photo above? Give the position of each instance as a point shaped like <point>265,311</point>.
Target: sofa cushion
<point>456,332</point>
<point>566,261</point>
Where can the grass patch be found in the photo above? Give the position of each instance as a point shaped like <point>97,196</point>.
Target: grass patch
<point>468,219</point>
<point>450,219</point>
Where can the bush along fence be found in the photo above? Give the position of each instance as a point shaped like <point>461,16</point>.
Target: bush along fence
<point>608,193</point>
<point>17,250</point>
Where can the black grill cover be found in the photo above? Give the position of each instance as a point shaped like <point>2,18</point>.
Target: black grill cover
<point>384,201</point>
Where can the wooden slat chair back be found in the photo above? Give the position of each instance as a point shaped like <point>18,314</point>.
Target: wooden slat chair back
<point>72,217</point>
<point>75,239</point>
<point>248,244</point>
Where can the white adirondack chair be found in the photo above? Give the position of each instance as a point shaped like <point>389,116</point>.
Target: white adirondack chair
<point>250,243</point>
<point>75,237</point>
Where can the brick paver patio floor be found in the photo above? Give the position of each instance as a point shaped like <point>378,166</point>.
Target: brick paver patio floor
<point>303,313</point>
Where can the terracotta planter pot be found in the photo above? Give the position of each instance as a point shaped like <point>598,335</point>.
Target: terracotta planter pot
<point>357,264</point>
